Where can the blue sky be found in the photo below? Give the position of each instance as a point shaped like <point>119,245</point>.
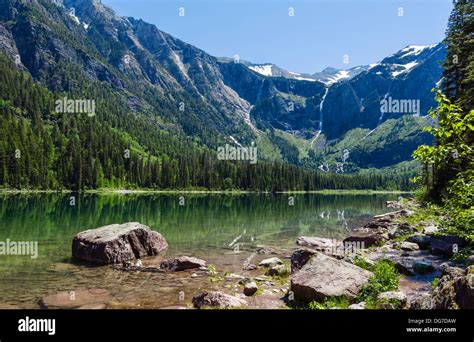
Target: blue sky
<point>319,34</point>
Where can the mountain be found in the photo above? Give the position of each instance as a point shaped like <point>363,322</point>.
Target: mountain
<point>177,90</point>
<point>330,76</point>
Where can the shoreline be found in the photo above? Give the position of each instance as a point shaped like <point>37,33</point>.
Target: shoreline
<point>224,192</point>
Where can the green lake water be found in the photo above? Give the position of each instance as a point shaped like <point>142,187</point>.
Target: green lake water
<point>208,226</point>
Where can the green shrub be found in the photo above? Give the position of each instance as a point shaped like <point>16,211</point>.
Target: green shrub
<point>385,278</point>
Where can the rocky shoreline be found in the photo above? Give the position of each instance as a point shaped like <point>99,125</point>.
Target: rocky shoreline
<point>317,271</point>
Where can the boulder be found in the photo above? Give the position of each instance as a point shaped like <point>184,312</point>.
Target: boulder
<point>401,230</point>
<point>117,243</point>
<point>320,244</point>
<point>446,245</point>
<point>409,246</point>
<point>278,271</point>
<point>270,262</point>
<point>392,299</point>
<point>430,230</point>
<point>300,257</point>
<point>455,289</point>
<point>423,241</point>
<point>324,277</point>
<point>421,301</point>
<point>358,306</point>
<point>367,237</point>
<point>217,299</point>
<point>75,299</point>
<point>250,288</point>
<point>182,263</point>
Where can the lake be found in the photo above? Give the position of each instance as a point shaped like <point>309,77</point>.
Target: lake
<point>223,229</point>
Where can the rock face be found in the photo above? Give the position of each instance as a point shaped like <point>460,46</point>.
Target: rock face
<point>117,243</point>
<point>217,299</point>
<point>76,299</point>
<point>323,276</point>
<point>455,289</point>
<point>182,263</point>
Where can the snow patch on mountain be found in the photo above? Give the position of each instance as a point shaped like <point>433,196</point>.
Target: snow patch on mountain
<point>265,70</point>
<point>405,68</point>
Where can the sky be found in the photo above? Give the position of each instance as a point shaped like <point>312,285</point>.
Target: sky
<point>319,34</point>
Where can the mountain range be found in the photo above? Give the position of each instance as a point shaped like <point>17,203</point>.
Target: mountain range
<point>315,120</point>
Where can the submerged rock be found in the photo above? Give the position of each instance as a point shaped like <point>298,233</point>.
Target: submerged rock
<point>324,276</point>
<point>117,243</point>
<point>182,263</point>
<point>75,299</point>
<point>217,299</point>
<point>423,267</point>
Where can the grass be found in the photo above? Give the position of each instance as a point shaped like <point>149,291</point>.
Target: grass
<point>385,278</point>
<point>341,302</point>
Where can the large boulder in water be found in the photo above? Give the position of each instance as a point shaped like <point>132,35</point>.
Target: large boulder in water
<point>323,276</point>
<point>117,243</point>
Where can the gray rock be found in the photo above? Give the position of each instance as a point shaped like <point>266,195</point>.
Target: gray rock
<point>250,289</point>
<point>401,230</point>
<point>358,306</point>
<point>182,263</point>
<point>278,271</point>
<point>409,246</point>
<point>430,230</point>
<point>393,299</point>
<point>421,301</point>
<point>270,262</point>
<point>423,267</point>
<point>217,299</point>
<point>75,299</point>
<point>446,245</point>
<point>367,237</point>
<point>319,244</point>
<point>117,243</point>
<point>324,277</point>
<point>250,267</point>
<point>423,241</point>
